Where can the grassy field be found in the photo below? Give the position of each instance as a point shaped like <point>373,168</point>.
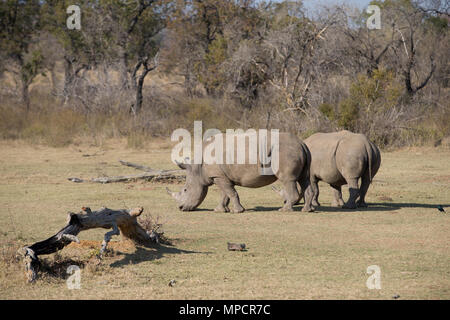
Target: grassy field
<point>321,255</point>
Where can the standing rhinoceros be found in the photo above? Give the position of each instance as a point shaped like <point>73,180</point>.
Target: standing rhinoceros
<point>294,162</point>
<point>340,158</point>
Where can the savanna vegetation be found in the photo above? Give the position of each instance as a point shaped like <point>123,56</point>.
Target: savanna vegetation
<point>290,255</point>
<point>143,68</point>
<point>74,102</point>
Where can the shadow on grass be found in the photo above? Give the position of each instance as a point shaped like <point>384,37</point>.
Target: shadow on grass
<point>371,208</point>
<point>415,205</point>
<point>143,254</point>
<point>57,269</point>
<point>199,210</point>
<point>298,208</point>
<point>261,208</point>
<point>384,206</point>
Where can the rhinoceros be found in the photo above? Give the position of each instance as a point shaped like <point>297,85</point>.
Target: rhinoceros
<point>294,162</point>
<point>341,158</point>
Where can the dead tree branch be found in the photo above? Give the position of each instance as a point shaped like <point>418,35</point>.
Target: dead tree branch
<point>150,170</point>
<point>119,221</point>
<point>149,174</point>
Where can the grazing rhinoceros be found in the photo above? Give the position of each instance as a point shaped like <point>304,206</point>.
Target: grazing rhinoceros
<point>340,158</point>
<point>294,162</point>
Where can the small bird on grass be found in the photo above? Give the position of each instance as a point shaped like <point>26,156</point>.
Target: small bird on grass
<point>236,246</point>
<point>172,283</point>
<point>440,208</point>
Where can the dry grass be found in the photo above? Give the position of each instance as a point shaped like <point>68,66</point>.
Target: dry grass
<point>294,255</point>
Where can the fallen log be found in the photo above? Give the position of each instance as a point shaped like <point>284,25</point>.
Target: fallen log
<point>119,221</point>
<point>151,170</point>
<point>150,174</point>
<point>143,176</point>
<point>136,166</point>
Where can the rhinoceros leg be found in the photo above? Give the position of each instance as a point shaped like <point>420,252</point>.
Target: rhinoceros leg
<point>223,205</point>
<point>354,193</point>
<point>306,188</point>
<point>229,190</point>
<point>291,196</point>
<point>337,201</point>
<point>315,192</point>
<point>301,192</point>
<point>315,200</point>
<point>365,183</point>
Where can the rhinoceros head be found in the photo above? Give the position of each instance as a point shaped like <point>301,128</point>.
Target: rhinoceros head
<point>195,189</point>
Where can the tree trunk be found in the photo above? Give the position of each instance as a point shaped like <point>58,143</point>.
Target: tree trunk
<point>137,106</point>
<point>68,77</point>
<point>139,96</point>
<point>408,82</point>
<point>120,221</point>
<point>123,69</point>
<point>54,79</point>
<point>26,94</point>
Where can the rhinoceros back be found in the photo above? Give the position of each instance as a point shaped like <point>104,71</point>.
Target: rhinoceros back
<point>291,160</point>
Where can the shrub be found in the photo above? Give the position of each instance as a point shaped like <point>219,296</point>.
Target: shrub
<point>137,140</point>
<point>328,111</point>
<point>374,107</point>
<point>55,129</point>
<point>12,122</point>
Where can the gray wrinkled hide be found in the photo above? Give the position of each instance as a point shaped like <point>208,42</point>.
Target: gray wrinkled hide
<point>294,161</point>
<point>340,158</point>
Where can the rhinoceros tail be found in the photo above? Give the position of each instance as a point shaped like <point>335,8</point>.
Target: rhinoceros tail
<point>308,159</point>
<point>369,156</point>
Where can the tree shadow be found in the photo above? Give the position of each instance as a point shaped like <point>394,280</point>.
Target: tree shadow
<point>149,253</point>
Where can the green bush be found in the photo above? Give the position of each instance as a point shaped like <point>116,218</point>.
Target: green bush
<point>348,114</point>
<point>368,107</point>
<point>209,73</point>
<point>209,111</point>
<point>328,111</point>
